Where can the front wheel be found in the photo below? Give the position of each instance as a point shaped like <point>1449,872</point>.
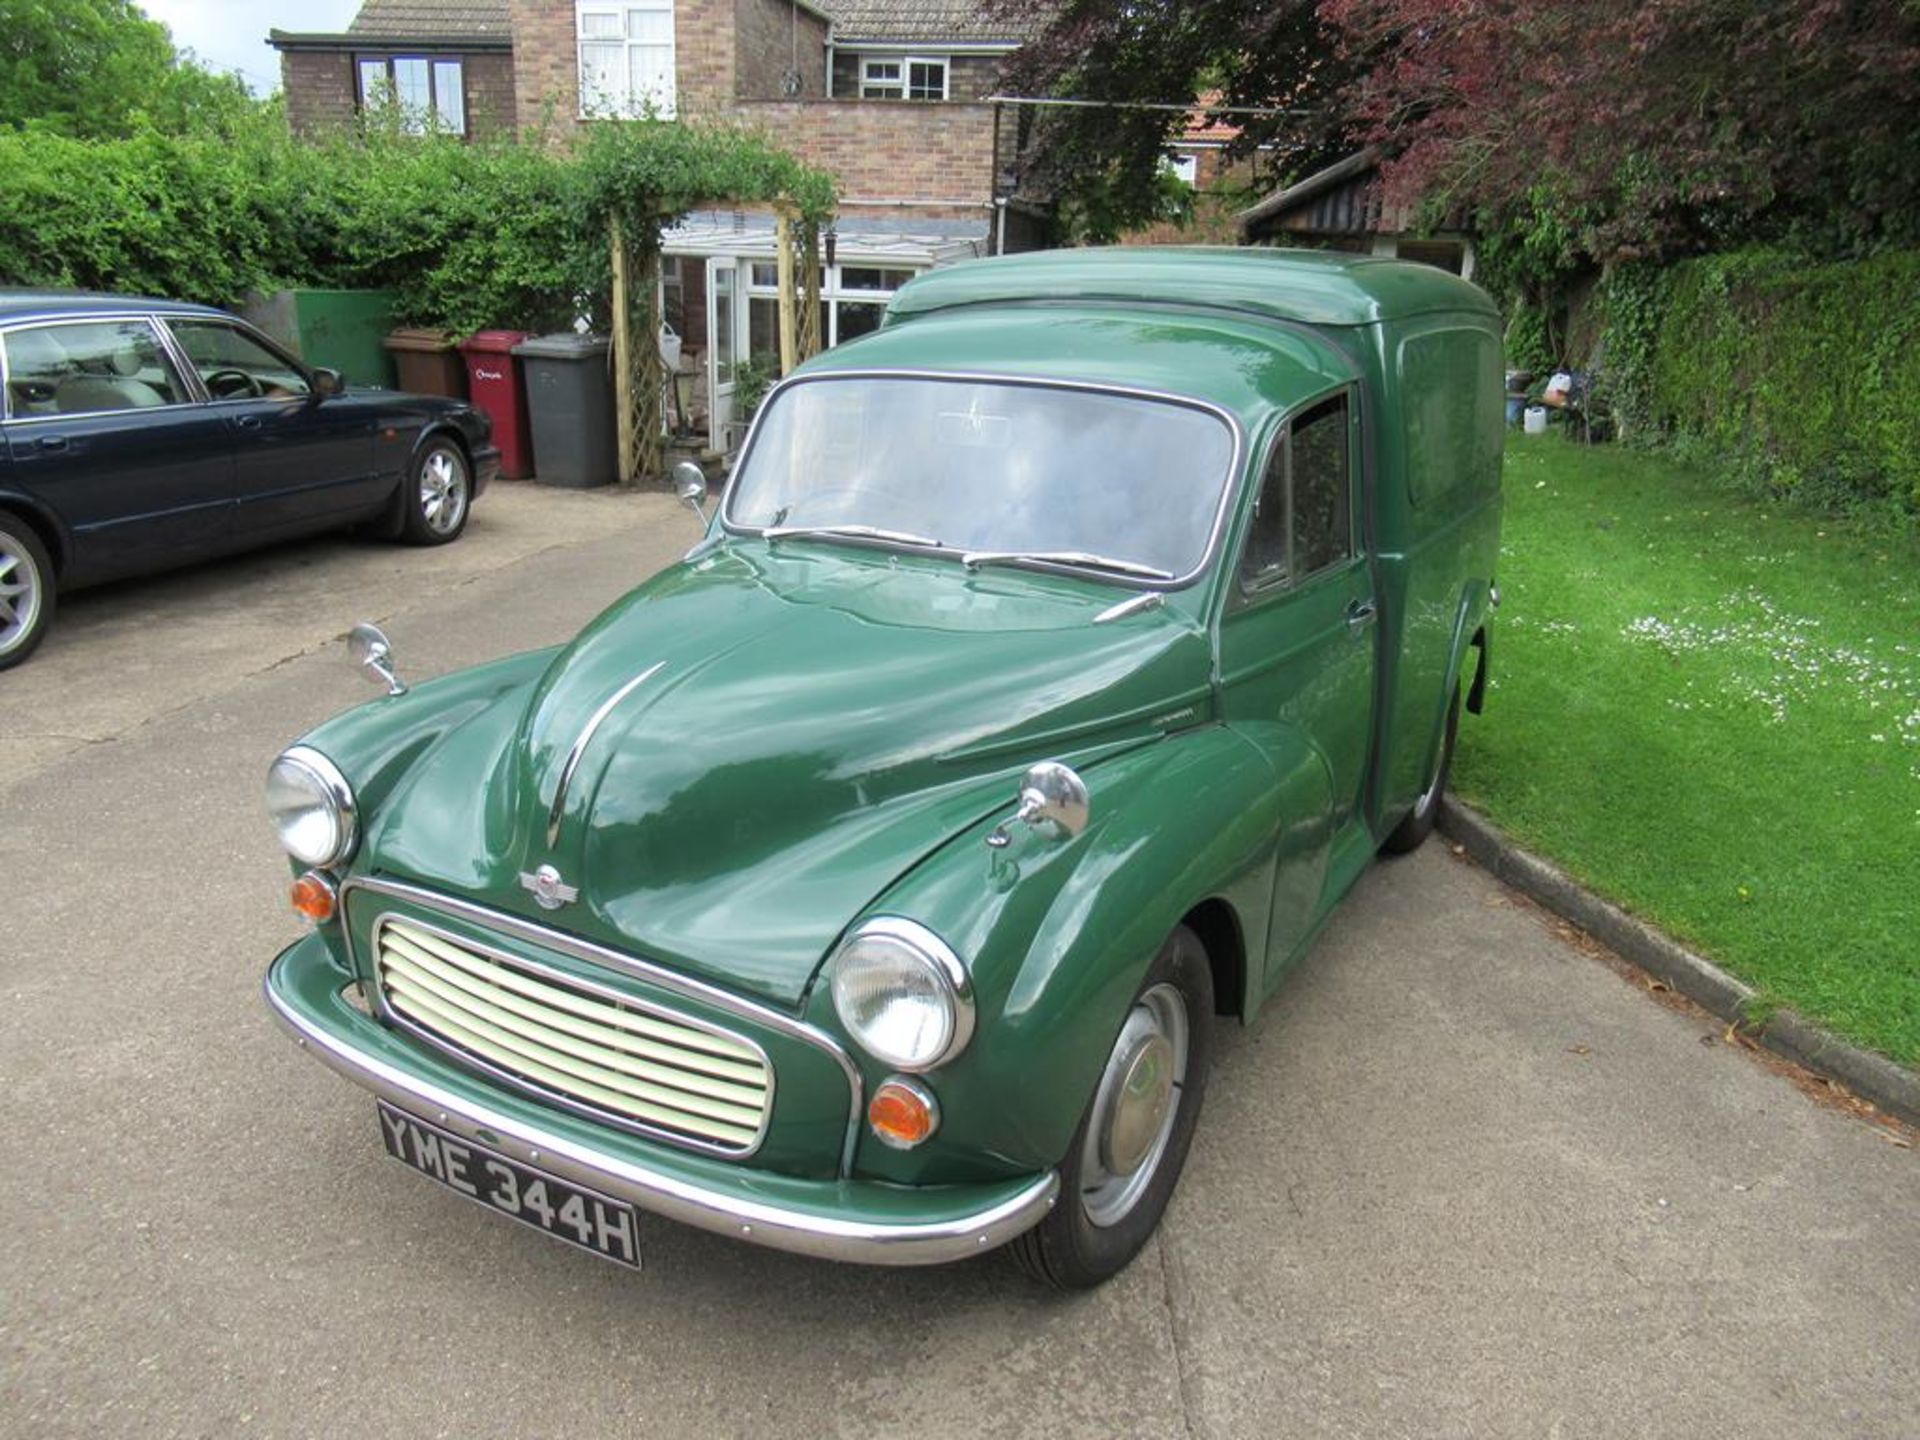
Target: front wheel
<point>1131,1144</point>
<point>438,495</point>
<point>1411,832</point>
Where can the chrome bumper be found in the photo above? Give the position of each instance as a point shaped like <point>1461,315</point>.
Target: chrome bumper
<point>930,1242</point>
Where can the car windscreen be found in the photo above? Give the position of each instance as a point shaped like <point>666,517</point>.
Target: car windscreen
<point>991,465</point>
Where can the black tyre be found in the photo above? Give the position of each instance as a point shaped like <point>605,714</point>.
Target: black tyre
<point>1412,832</point>
<point>26,590</point>
<point>438,494</point>
<point>1131,1144</point>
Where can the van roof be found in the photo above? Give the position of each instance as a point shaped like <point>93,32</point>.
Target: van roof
<point>1316,287</point>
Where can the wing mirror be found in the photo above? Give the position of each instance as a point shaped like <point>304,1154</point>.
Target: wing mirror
<point>1052,795</point>
<point>328,382</point>
<point>373,652</point>
<point>690,484</point>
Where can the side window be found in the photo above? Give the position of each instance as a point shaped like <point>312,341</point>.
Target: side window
<point>1264,560</point>
<point>88,369</point>
<point>1322,509</point>
<point>235,366</point>
<point>1303,520</point>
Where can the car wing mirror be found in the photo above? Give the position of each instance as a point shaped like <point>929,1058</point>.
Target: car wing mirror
<point>328,382</point>
<point>1052,795</point>
<point>373,652</point>
<point>690,484</point>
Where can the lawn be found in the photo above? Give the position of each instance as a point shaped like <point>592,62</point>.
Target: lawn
<point>1708,709</point>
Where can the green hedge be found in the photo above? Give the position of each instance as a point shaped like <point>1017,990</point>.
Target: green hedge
<point>1805,377</point>
<point>503,234</point>
<point>467,235</point>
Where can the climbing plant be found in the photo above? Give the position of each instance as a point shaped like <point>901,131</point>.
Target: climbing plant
<point>636,178</point>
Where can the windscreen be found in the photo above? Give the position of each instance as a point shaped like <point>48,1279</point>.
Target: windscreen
<point>991,466</point>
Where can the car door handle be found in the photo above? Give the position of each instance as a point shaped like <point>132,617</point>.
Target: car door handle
<point>53,442</point>
<point>1360,614</point>
<point>247,422</point>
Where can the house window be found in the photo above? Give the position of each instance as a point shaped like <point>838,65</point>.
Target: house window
<point>430,93</point>
<point>626,59</point>
<point>1183,165</point>
<point>853,299</point>
<point>906,77</point>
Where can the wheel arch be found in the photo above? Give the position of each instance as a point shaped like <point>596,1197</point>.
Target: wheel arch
<point>45,528</point>
<point>1217,925</point>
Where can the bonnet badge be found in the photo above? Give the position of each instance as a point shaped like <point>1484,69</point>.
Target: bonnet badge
<point>549,890</point>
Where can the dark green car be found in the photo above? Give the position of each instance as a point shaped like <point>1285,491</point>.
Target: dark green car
<point>870,883</point>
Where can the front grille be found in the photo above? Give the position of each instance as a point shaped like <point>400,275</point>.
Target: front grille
<point>589,1047</point>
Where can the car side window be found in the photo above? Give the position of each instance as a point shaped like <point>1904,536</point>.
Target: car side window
<point>88,368</point>
<point>1322,479</point>
<point>235,366</point>
<point>1263,562</point>
<point>1302,520</point>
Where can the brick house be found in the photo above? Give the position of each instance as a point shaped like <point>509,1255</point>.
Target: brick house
<point>891,96</point>
<point>449,63</point>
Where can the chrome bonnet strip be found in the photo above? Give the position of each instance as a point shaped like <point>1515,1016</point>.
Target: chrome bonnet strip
<point>580,746</point>
<point>821,1236</point>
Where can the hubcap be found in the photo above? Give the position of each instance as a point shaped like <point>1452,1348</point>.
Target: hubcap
<point>1135,1107</point>
<point>443,492</point>
<point>19,594</point>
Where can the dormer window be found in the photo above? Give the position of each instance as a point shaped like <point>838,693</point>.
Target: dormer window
<point>903,77</point>
<point>626,59</point>
<point>428,91</point>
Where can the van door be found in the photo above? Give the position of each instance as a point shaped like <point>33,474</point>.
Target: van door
<point>1298,653</point>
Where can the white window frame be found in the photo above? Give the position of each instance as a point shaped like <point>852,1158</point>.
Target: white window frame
<point>624,105</point>
<point>832,292</point>
<point>872,88</point>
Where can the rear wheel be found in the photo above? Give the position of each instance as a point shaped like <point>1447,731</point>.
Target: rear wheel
<point>26,590</point>
<point>1411,832</point>
<point>1131,1144</point>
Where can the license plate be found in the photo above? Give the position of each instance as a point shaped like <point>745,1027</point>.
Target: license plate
<point>533,1197</point>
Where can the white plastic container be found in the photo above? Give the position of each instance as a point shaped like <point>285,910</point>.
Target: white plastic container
<point>1536,420</point>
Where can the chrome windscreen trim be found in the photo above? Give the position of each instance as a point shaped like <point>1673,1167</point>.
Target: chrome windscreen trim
<point>824,1237</point>
<point>643,970</point>
<point>564,980</point>
<point>580,746</point>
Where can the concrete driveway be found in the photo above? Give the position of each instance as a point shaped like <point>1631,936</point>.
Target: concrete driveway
<point>1460,1179</point>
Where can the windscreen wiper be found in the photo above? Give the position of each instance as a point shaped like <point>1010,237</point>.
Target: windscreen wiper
<point>853,532</point>
<point>976,558</point>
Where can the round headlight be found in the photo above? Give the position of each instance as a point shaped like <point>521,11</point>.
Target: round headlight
<point>312,807</point>
<point>903,994</point>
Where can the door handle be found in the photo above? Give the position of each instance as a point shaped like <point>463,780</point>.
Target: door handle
<point>53,442</point>
<point>247,422</point>
<point>1360,614</point>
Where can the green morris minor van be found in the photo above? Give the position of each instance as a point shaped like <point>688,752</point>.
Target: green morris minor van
<point>870,883</point>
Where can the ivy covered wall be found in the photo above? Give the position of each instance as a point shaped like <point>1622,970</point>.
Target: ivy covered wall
<point>1803,378</point>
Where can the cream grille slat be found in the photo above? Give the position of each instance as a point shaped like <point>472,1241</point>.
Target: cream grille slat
<point>577,1074</point>
<point>586,1051</point>
<point>507,1007</point>
<point>691,1038</point>
<point>644,1067</point>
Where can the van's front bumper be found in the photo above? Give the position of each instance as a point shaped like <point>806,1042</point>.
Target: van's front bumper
<point>855,1220</point>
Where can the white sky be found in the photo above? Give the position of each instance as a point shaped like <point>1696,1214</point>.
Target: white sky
<point>232,34</point>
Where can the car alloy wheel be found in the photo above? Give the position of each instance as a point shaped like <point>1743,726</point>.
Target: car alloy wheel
<point>26,592</point>
<point>443,491</point>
